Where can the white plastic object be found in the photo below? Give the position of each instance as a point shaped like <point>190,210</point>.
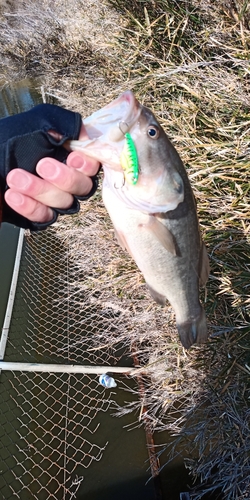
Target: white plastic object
<point>107,381</point>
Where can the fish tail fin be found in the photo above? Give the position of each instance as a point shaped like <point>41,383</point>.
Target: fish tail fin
<point>193,331</point>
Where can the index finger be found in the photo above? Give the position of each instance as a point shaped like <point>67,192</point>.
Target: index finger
<point>83,163</point>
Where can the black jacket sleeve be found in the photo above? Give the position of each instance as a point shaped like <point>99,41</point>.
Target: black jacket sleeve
<point>24,140</point>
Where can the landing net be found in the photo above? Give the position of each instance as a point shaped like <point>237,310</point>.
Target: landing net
<point>79,301</point>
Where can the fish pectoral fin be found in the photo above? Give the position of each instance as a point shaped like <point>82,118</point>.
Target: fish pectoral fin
<point>122,241</point>
<point>193,331</point>
<point>204,267</point>
<point>158,297</point>
<point>161,232</point>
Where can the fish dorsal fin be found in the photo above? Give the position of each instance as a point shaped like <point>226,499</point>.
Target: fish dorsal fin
<point>203,265</point>
<point>160,232</point>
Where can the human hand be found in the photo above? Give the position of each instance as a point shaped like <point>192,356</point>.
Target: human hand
<point>34,197</point>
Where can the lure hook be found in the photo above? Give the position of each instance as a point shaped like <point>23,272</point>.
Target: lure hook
<point>121,123</point>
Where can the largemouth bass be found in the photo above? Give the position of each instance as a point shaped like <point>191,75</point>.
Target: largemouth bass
<point>154,216</point>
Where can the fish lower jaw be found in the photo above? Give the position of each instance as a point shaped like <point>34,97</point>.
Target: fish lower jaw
<point>114,182</point>
<point>193,331</point>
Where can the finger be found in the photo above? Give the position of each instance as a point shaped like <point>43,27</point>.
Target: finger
<point>83,136</point>
<point>58,137</point>
<point>80,161</point>
<point>83,163</point>
<point>39,189</point>
<point>64,177</point>
<point>29,208</point>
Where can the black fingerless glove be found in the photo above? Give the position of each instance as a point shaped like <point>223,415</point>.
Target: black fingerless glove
<point>24,140</point>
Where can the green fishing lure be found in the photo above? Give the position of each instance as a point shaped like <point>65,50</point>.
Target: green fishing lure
<point>129,160</point>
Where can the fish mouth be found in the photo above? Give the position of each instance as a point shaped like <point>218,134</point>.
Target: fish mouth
<point>159,189</point>
<point>106,129</point>
<point>115,119</point>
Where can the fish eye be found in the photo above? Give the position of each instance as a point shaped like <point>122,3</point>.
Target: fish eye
<point>153,132</point>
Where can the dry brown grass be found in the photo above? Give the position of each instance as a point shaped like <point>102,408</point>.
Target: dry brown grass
<point>189,62</point>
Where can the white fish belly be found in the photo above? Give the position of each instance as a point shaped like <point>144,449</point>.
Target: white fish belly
<point>170,276</point>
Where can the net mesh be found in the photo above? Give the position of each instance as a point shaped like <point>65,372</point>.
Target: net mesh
<point>53,423</point>
<point>49,421</point>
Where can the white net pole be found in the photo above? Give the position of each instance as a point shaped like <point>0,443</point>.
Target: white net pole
<point>8,314</point>
<point>59,368</point>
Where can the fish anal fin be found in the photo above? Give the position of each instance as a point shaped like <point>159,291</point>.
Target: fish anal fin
<point>193,331</point>
<point>160,232</point>
<point>158,297</point>
<point>204,267</point>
